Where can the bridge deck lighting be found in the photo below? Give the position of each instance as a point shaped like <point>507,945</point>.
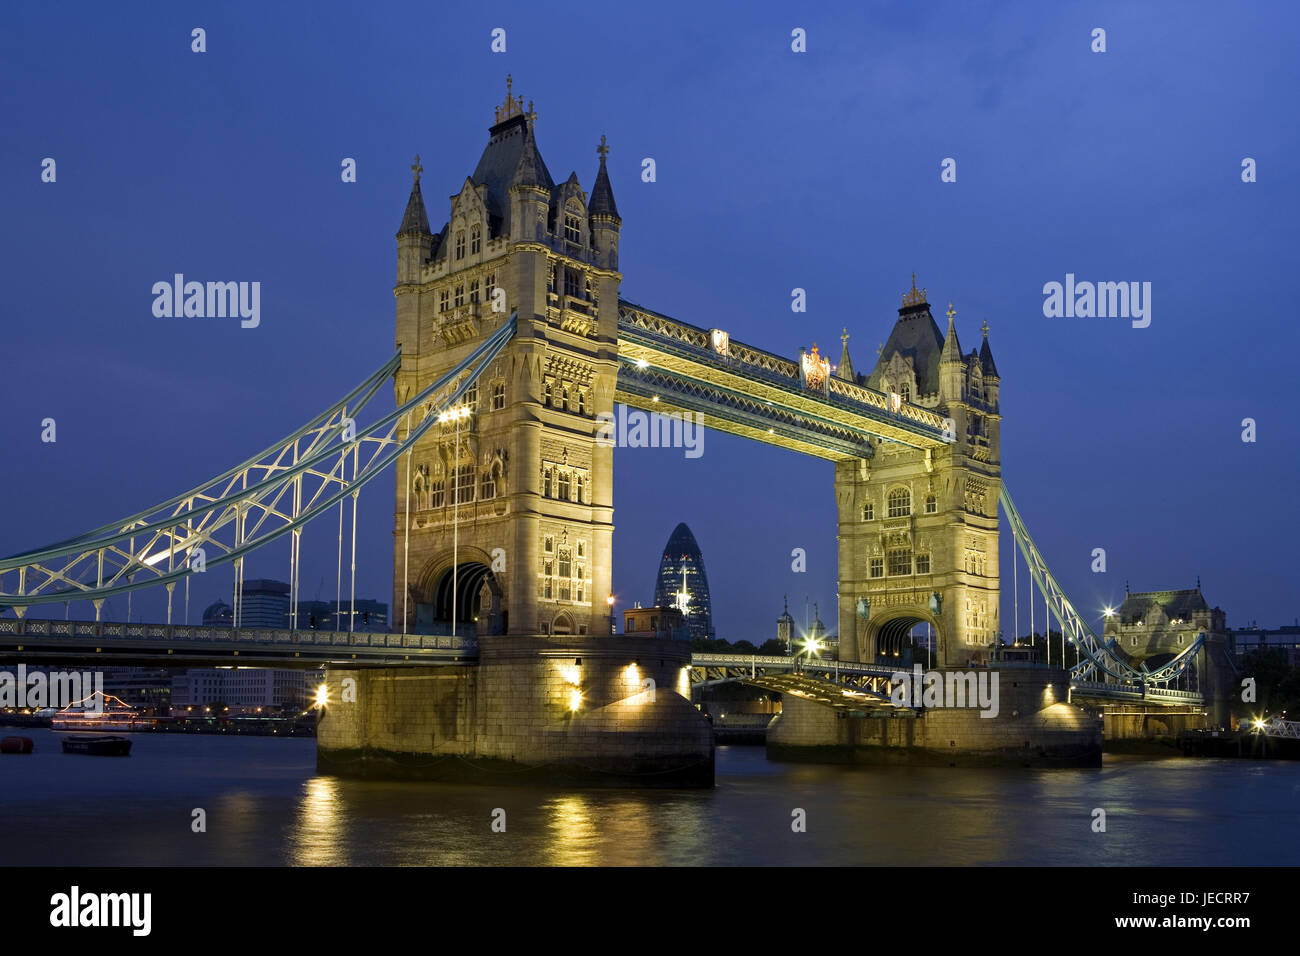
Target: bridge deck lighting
<point>642,363</point>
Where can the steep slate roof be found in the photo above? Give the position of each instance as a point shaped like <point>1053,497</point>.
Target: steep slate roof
<point>510,157</point>
<point>917,336</point>
<point>986,359</point>
<point>602,194</point>
<point>1176,604</point>
<point>845,369</point>
<point>415,219</point>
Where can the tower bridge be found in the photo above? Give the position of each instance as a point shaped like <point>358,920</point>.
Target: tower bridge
<point>512,348</point>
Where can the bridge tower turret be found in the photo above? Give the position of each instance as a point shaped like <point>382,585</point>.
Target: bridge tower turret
<point>527,506</point>
<point>918,529</point>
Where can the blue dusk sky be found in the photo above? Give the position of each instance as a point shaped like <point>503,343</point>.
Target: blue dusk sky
<point>775,170</point>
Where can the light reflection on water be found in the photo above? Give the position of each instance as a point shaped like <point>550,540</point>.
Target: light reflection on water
<point>266,806</point>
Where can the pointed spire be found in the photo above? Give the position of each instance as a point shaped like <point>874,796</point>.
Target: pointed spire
<point>951,346</point>
<point>602,193</point>
<point>530,170</point>
<point>986,354</point>
<point>415,219</point>
<point>845,368</point>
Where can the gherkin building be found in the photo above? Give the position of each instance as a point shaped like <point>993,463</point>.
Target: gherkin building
<point>682,561</point>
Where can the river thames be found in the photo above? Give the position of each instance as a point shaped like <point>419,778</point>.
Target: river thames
<point>265,806</point>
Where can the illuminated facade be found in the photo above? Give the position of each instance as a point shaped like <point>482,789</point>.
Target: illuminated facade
<point>918,527</point>
<point>520,489</point>
<point>681,572</point>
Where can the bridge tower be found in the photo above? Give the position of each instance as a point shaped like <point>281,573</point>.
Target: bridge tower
<point>918,530</point>
<point>532,529</point>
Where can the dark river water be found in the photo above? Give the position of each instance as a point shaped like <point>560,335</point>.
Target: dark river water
<point>266,806</point>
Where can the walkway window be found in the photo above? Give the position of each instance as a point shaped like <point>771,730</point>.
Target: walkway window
<point>905,391</point>
<point>900,503</point>
<point>868,512</point>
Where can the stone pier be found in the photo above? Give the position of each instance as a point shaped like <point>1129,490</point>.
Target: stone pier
<point>570,710</point>
<point>1035,726</point>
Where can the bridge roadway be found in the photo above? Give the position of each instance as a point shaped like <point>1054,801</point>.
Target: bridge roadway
<point>840,684</point>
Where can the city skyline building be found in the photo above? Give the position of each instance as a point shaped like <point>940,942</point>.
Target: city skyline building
<point>681,572</point>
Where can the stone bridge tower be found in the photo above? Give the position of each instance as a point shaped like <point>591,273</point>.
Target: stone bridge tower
<point>532,528</point>
<point>918,530</point>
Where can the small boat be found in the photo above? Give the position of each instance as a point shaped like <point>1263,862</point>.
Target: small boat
<point>96,746</point>
<point>16,745</point>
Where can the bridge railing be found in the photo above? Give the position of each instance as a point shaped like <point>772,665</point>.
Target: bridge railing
<point>1114,689</point>
<point>110,631</point>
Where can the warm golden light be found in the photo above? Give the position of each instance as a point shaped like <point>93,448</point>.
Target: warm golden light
<point>632,675</point>
<point>811,646</point>
<point>575,699</point>
<point>571,675</point>
<point>322,695</point>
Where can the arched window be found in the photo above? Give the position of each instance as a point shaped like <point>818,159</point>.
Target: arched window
<point>582,401</point>
<point>900,503</point>
<point>868,512</point>
<point>905,390</point>
<point>474,240</point>
<point>562,486</point>
<point>498,396</point>
<point>931,504</point>
<point>437,497</point>
<point>489,489</point>
<point>578,481</point>
<point>547,477</point>
<point>460,244</point>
